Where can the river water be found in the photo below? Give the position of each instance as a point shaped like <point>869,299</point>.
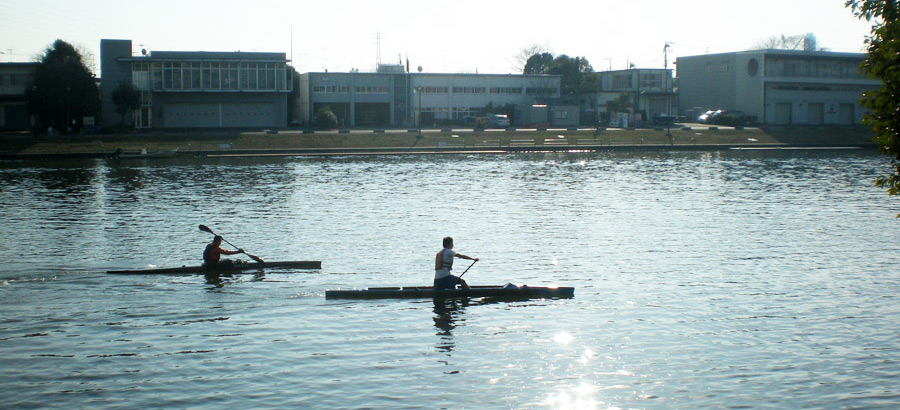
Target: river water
<point>755,279</point>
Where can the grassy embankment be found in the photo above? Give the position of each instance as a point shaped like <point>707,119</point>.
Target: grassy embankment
<point>187,142</point>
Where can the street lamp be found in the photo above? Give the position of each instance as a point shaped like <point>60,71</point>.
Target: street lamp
<point>418,91</point>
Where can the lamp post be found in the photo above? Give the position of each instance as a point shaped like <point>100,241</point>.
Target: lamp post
<point>418,91</point>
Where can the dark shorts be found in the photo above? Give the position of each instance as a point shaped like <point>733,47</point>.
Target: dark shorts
<point>447,282</point>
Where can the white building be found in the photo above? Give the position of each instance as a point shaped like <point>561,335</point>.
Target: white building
<point>779,87</point>
<point>384,99</point>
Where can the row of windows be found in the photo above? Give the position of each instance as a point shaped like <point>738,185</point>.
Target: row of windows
<point>793,67</point>
<point>330,89</point>
<point>212,76</point>
<point>14,79</point>
<point>649,80</point>
<point>373,90</point>
<point>541,90</point>
<point>468,90</point>
<point>506,90</point>
<point>437,90</point>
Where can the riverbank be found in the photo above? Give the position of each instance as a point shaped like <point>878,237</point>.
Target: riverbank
<point>297,142</point>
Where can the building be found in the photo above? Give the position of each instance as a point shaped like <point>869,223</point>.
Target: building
<point>650,92</point>
<point>197,89</point>
<point>778,87</point>
<point>15,78</point>
<point>397,98</point>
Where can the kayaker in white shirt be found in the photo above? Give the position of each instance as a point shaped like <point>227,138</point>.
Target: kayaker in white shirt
<point>443,263</point>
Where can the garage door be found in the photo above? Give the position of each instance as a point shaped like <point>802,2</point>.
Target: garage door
<point>191,115</point>
<point>248,115</point>
<point>783,115</point>
<point>846,115</point>
<point>816,114</point>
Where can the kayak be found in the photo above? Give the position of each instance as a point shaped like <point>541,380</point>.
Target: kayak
<point>509,291</point>
<point>226,268</point>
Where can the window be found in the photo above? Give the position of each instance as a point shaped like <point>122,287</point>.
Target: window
<point>540,90</point>
<point>373,90</point>
<point>622,82</point>
<point>468,90</point>
<point>506,90</point>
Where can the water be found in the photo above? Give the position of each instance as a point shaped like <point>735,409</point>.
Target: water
<point>763,279</point>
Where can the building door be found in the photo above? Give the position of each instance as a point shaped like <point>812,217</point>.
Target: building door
<point>816,114</point>
<point>846,114</point>
<point>783,113</point>
<point>142,117</point>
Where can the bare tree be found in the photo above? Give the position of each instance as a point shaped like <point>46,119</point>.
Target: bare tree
<point>521,58</point>
<point>805,42</point>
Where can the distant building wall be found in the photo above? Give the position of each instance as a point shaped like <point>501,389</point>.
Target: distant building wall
<point>392,99</point>
<point>15,78</point>
<point>114,70</point>
<point>779,87</point>
<point>198,89</point>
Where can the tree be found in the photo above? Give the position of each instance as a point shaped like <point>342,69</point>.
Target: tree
<point>578,76</point>
<point>325,118</point>
<point>622,103</point>
<point>538,64</point>
<point>527,52</point>
<point>64,90</point>
<point>126,98</point>
<point>882,60</point>
<point>805,42</point>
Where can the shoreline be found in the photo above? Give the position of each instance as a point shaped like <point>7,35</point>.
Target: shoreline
<point>232,143</point>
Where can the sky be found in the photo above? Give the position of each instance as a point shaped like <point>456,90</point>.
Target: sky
<point>460,36</point>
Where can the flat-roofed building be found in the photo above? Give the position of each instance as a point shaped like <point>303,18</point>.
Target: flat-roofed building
<point>197,89</point>
<point>779,87</point>
<point>385,99</point>
<point>15,78</point>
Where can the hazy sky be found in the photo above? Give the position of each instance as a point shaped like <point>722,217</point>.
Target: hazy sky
<point>441,36</point>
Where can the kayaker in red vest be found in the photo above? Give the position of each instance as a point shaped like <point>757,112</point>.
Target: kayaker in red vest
<point>443,263</point>
<point>214,251</point>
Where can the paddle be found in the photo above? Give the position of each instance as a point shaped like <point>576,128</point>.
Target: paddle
<point>205,228</point>
<point>467,269</point>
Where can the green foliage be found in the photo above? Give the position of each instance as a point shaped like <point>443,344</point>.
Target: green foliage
<point>64,88</point>
<point>577,74</point>
<point>883,62</point>
<point>126,97</point>
<point>538,64</point>
<point>325,118</point>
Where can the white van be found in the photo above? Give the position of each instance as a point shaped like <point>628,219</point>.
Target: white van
<point>497,121</point>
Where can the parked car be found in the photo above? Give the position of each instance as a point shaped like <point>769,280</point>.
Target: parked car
<point>708,116</point>
<point>497,121</point>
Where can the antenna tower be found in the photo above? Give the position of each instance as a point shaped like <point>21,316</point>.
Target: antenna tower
<point>377,49</point>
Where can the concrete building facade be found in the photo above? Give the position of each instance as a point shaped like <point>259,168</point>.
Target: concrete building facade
<point>391,98</point>
<point>778,87</point>
<point>651,92</point>
<point>15,78</point>
<point>197,89</point>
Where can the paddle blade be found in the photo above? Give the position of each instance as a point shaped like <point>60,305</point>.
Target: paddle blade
<point>205,228</point>
<point>254,257</point>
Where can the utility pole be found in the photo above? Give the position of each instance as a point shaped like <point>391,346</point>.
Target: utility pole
<point>666,90</point>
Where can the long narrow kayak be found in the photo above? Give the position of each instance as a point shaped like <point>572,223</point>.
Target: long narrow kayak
<point>231,268</point>
<point>423,292</point>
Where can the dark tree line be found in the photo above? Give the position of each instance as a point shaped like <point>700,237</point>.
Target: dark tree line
<point>64,90</point>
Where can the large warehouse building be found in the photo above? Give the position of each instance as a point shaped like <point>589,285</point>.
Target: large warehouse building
<point>197,89</point>
<point>779,87</point>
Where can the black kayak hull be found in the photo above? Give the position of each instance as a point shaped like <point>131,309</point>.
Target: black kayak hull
<point>229,268</point>
<point>425,292</point>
